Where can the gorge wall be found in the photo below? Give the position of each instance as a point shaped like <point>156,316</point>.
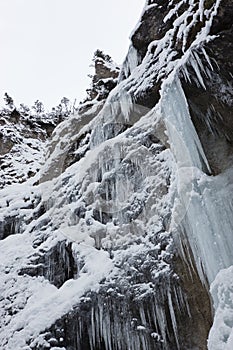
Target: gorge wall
<point>121,239</point>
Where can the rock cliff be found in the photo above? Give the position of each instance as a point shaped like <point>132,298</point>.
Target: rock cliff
<point>123,239</point>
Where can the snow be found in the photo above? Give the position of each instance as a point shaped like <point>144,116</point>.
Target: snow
<point>46,301</point>
<point>221,333</point>
<point>119,203</point>
<point>59,222</point>
<point>26,153</point>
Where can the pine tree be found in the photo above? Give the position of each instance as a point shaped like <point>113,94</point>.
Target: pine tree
<point>24,110</point>
<point>9,101</point>
<point>99,54</point>
<point>38,107</point>
<point>65,103</point>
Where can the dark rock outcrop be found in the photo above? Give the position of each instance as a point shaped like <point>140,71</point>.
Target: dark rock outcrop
<point>211,105</point>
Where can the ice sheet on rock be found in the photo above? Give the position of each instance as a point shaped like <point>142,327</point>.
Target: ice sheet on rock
<point>207,220</point>
<point>202,203</point>
<point>182,135</point>
<point>221,333</point>
<point>131,62</point>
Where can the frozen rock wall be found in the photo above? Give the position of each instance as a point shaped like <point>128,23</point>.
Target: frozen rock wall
<point>114,245</point>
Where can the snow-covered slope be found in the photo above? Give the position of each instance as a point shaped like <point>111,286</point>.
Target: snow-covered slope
<point>115,243</point>
<point>23,143</point>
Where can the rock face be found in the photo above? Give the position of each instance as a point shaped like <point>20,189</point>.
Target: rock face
<point>22,150</point>
<point>103,80</point>
<point>118,242</point>
<point>211,104</point>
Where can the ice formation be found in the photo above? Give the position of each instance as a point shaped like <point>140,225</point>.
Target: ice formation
<point>99,249</point>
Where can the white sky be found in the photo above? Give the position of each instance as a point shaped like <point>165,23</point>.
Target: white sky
<point>47,45</point>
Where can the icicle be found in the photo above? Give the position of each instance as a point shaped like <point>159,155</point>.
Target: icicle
<point>195,66</point>
<point>182,134</point>
<point>207,58</point>
<point>173,318</point>
<point>131,62</point>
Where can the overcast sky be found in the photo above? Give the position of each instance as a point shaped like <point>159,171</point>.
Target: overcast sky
<point>47,45</point>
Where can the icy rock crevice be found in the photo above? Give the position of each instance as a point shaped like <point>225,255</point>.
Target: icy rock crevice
<point>57,264</point>
<point>10,226</point>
